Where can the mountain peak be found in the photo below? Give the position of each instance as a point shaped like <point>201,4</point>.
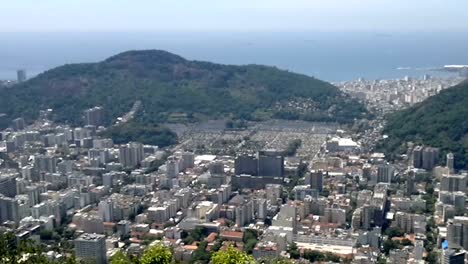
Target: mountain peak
<point>173,89</point>
<point>146,56</point>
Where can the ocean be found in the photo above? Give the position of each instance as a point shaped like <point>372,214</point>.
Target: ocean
<point>337,56</point>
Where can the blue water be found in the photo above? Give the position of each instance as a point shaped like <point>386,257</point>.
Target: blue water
<point>328,56</point>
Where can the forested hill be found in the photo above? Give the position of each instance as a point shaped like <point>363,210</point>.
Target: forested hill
<point>440,121</point>
<point>172,88</point>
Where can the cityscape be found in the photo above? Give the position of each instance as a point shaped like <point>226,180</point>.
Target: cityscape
<point>311,185</point>
<point>148,157</point>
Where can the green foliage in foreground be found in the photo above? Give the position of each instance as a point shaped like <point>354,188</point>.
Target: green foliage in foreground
<point>232,256</point>
<point>162,255</point>
<point>440,121</point>
<point>26,251</point>
<point>120,258</point>
<point>138,132</point>
<point>172,88</point>
<point>157,255</point>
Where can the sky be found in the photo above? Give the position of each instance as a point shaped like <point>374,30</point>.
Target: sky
<point>233,15</point>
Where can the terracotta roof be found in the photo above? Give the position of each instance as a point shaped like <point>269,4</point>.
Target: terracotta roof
<point>108,224</point>
<point>190,247</point>
<point>233,234</point>
<point>211,237</point>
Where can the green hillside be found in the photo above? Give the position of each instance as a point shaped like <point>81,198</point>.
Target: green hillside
<point>440,121</point>
<point>172,88</point>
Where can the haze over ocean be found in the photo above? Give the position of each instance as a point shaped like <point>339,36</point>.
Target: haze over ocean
<point>328,56</point>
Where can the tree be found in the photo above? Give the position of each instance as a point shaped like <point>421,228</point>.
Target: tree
<point>120,258</point>
<point>232,256</point>
<point>313,255</point>
<point>381,260</point>
<point>201,255</point>
<point>250,239</point>
<point>157,254</point>
<point>45,234</point>
<point>394,232</point>
<point>11,252</point>
<point>432,257</point>
<point>389,245</point>
<point>292,147</point>
<point>294,251</point>
<point>406,242</point>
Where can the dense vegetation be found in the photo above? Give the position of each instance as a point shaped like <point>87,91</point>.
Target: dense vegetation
<point>157,254</point>
<point>440,121</point>
<point>292,147</point>
<point>162,255</point>
<point>174,89</point>
<point>250,239</point>
<point>26,251</point>
<point>146,134</point>
<point>232,256</point>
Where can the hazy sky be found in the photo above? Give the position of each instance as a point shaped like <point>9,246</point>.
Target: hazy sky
<point>238,15</point>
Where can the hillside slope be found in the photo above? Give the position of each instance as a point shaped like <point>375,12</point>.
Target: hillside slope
<point>440,121</point>
<point>173,88</point>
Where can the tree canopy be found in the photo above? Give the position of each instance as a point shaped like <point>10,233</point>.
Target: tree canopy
<point>440,121</point>
<point>232,256</point>
<point>157,254</point>
<point>173,89</point>
<point>139,132</point>
<point>25,251</point>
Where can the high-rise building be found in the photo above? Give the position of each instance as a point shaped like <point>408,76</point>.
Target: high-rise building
<point>410,223</point>
<point>21,75</point>
<point>430,157</point>
<point>8,184</point>
<point>453,183</point>
<point>367,171</point>
<point>106,210</point>
<point>91,248</point>
<point>410,183</point>
<point>450,256</point>
<point>315,180</point>
<point>273,192</point>
<point>187,161</point>
<point>246,164</point>
<point>417,157</point>
<point>450,162</point>
<point>18,124</point>
<point>216,167</point>
<point>131,154</point>
<point>172,167</point>
<point>244,213</point>
<point>457,232</point>
<point>286,217</point>
<point>385,173</point>
<point>45,163</point>
<point>457,199</point>
<point>9,209</point>
<point>94,116</point>
<point>270,164</point>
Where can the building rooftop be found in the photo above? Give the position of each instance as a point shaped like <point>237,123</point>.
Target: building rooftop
<point>91,237</point>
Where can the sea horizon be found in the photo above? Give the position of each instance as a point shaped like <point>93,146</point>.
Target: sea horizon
<point>330,56</point>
